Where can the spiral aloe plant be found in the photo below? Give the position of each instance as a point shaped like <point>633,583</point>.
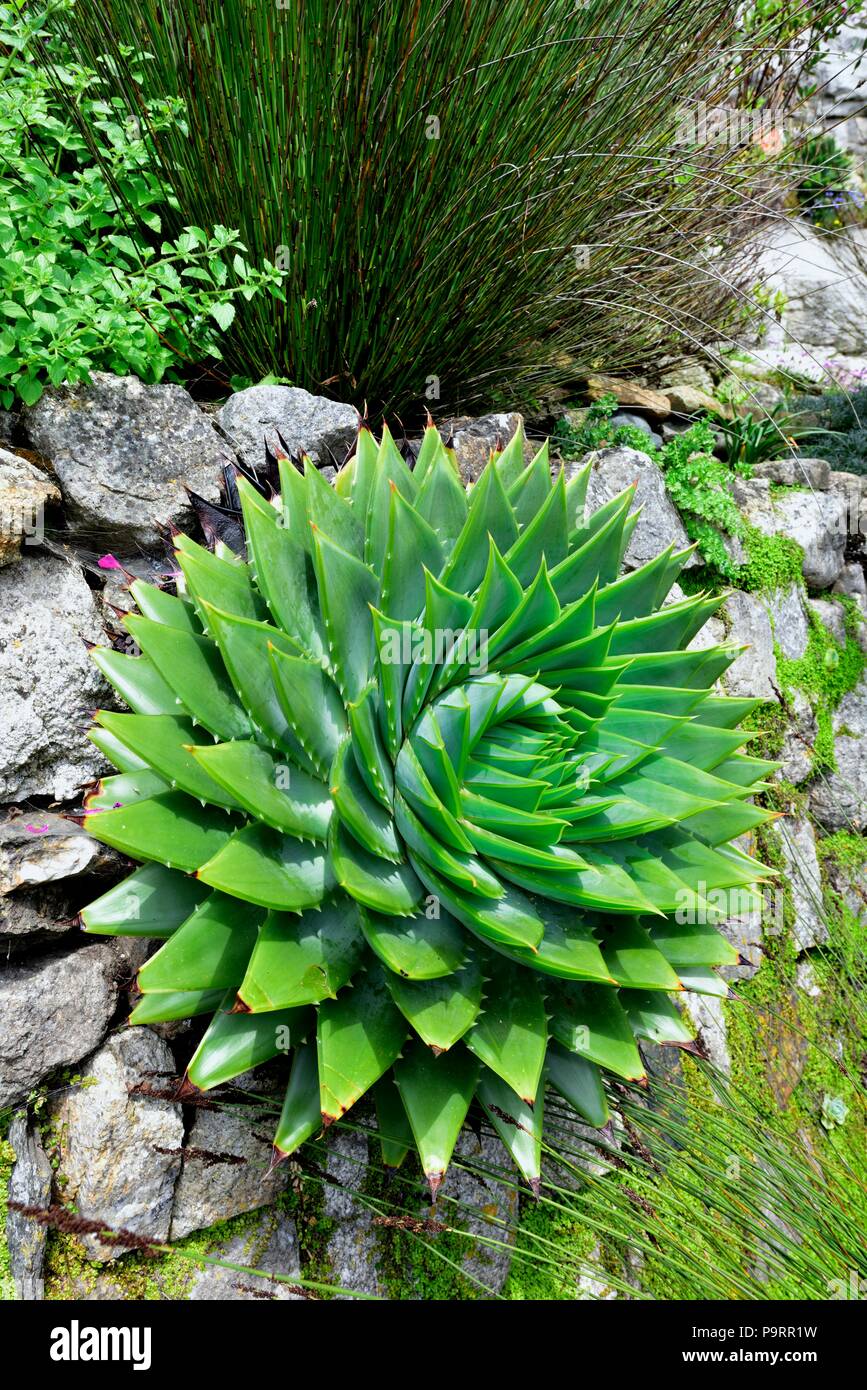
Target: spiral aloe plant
<point>428,795</point>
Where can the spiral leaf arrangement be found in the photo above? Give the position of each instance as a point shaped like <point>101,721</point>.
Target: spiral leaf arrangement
<point>428,795</point>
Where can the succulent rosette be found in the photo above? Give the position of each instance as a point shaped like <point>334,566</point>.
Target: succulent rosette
<point>428,794</point>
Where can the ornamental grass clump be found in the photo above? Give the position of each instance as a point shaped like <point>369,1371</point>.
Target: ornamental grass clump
<point>428,795</point>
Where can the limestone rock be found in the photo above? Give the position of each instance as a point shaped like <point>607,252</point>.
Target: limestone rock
<point>226,1168</point>
<point>839,799</point>
<point>706,1013</point>
<point>123,453</point>
<point>272,1246</point>
<point>39,847</point>
<point>53,1011</point>
<point>50,684</point>
<point>753,673</point>
<point>789,622</point>
<point>799,739</point>
<point>802,870</point>
<point>320,427</point>
<point>629,393</point>
<point>794,471</point>
<point>120,1153</point>
<point>24,492</point>
<point>473,438</point>
<point>659,523</point>
<point>816,520</point>
<point>29,1185</point>
<point>687,400</point>
<point>832,616</point>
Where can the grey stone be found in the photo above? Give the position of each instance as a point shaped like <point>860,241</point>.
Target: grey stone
<point>659,524</point>
<point>226,1168</point>
<point>352,1248</point>
<point>38,918</point>
<point>322,428</point>
<point>688,373</point>
<point>29,1185</point>
<point>838,799</point>
<point>805,979</point>
<point>637,422</point>
<point>123,452</point>
<point>24,492</point>
<point>744,931</point>
<point>799,738</point>
<point>689,400</point>
<point>826,295</point>
<point>850,885</point>
<point>794,471</point>
<point>50,684</point>
<point>270,1246</point>
<point>120,1153</point>
<point>473,438</point>
<point>753,673</point>
<point>851,581</point>
<point>816,520</point>
<point>706,1013</point>
<point>832,616</point>
<point>802,871</point>
<point>789,622</point>
<point>53,1012</point>
<point>475,1198</point>
<point>39,847</point>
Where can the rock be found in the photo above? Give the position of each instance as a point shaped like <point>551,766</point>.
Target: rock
<point>789,622</point>
<point>473,1198</point>
<point>120,1153</point>
<point>38,918</point>
<point>271,1245</point>
<point>798,739</point>
<point>474,438</point>
<point>851,581</point>
<point>706,1012</point>
<point>839,799</point>
<point>816,520</point>
<point>783,1045</point>
<point>659,523</point>
<point>629,393</point>
<point>636,422</point>
<point>9,420</point>
<point>832,616</point>
<point>805,979</point>
<point>24,493</point>
<point>794,471</point>
<point>753,673</point>
<point>322,428</point>
<point>53,1011</point>
<point>226,1168</point>
<point>763,398</point>
<point>687,400</point>
<point>50,684</point>
<point>39,847</point>
<point>352,1249</point>
<point>123,452</point>
<point>30,1185</point>
<point>826,296</point>
<point>692,374</point>
<point>802,871</point>
<point>744,931</point>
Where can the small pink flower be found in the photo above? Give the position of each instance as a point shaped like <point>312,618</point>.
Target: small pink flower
<point>37,829</point>
<point>108,562</point>
<point>772,141</point>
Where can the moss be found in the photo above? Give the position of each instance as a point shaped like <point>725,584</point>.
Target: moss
<point>825,673</point>
<point>413,1265</point>
<point>769,724</point>
<point>845,849</point>
<point>7,1158</point>
<point>773,562</point>
<point>568,1248</point>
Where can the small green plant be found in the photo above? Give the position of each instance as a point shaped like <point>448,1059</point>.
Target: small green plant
<point>418,799</point>
<point>751,439</point>
<point>85,282</point>
<point>835,1111</point>
<point>824,191</point>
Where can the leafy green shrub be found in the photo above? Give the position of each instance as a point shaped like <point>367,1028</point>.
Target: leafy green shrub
<point>843,415</point>
<point>824,191</point>
<point>752,439</point>
<point>420,770</point>
<point>464,214</point>
<point>82,287</point>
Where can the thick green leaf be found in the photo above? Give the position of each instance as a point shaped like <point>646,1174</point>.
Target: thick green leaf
<point>440,1010</point>
<point>592,1022</point>
<point>284,572</point>
<point>518,1125</point>
<point>377,883</point>
<point>273,870</point>
<point>436,1094</point>
<point>579,1082</point>
<point>418,947</point>
<point>236,1042</point>
<point>171,828</point>
<point>367,819</point>
<point>301,960</point>
<point>138,682</point>
<point>194,669</point>
<point>511,1034</point>
<point>300,1117</point>
<point>125,789</point>
<point>270,788</point>
<point>413,547</point>
<point>653,1016</point>
<point>210,950</point>
<point>153,901</point>
<point>347,592</point>
<point>172,1005</point>
<point>359,1036</point>
<point>164,739</point>
<point>395,1135</point>
<point>311,705</point>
